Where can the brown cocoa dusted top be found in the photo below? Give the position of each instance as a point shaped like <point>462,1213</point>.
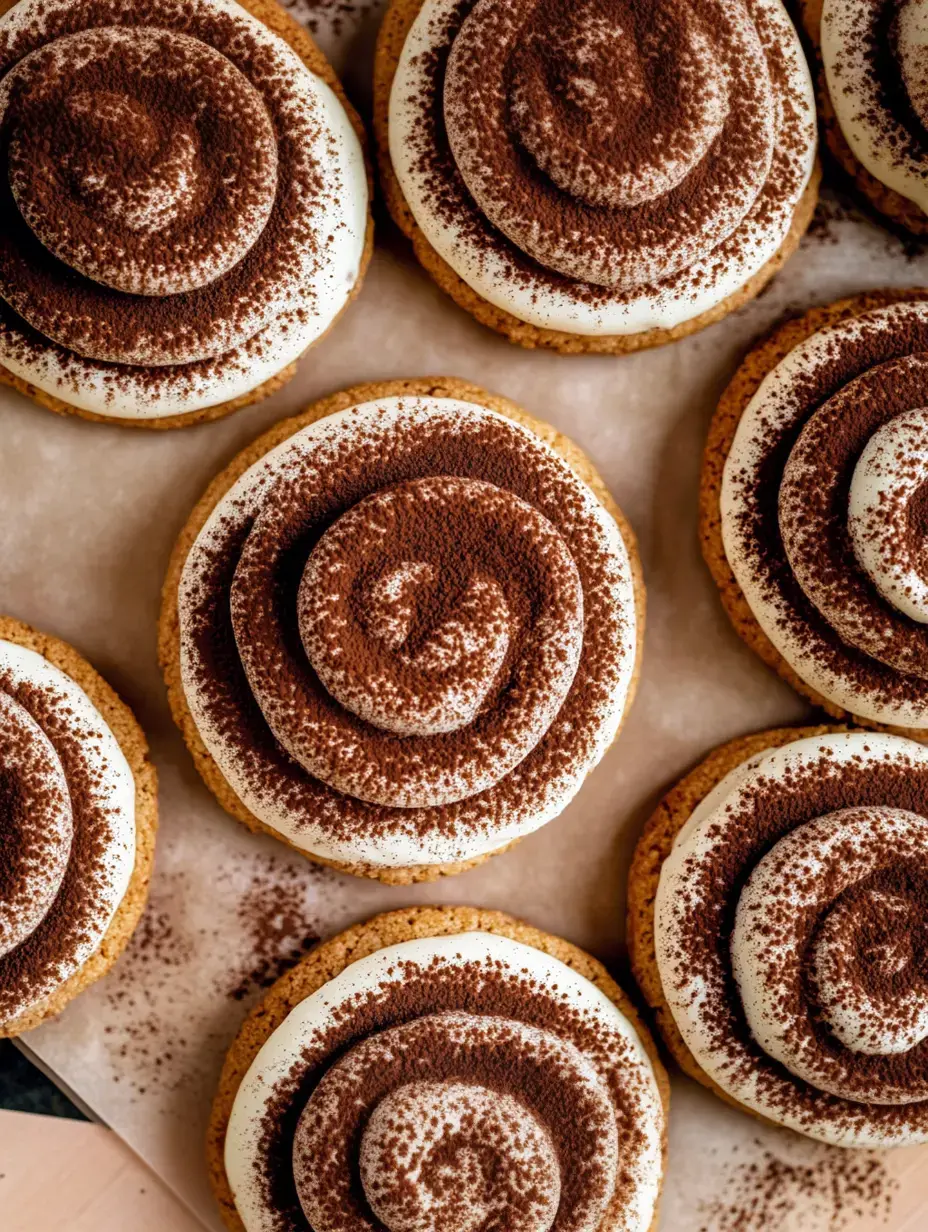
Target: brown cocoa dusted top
<point>443,1084</point>
<point>822,520</point>
<point>626,157</point>
<point>67,829</point>
<point>182,202</point>
<point>172,209</point>
<point>790,935</point>
<point>408,633</point>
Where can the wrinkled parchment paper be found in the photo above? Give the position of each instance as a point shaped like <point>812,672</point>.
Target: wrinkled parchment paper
<point>89,515</point>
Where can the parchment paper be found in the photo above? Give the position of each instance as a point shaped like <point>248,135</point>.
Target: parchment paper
<point>89,515</point>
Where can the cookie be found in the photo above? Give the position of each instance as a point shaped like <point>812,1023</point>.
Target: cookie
<point>895,208</point>
<point>762,360</point>
<point>397,23</point>
<point>201,374</point>
<point>748,874</point>
<point>124,727</point>
<point>361,942</point>
<point>425,399</point>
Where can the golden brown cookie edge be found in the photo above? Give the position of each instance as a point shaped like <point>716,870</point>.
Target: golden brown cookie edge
<point>331,957</point>
<point>125,727</point>
<point>169,628</point>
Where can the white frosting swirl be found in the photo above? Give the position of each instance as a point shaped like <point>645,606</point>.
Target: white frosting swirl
<point>450,1152</point>
<point>158,186</point>
<point>891,470</point>
<point>596,290</point>
<point>331,222</point>
<point>30,770</point>
<point>869,49</point>
<point>40,702</point>
<point>502,643</point>
<point>829,910</point>
<point>825,856</point>
<point>424,1161</point>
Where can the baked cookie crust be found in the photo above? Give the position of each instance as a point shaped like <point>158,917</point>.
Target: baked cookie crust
<point>124,726</point>
<point>276,18</point>
<point>332,957</point>
<point>169,628</point>
<point>397,21</point>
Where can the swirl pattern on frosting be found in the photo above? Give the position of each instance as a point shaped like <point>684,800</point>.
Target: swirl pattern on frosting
<point>439,1085</point>
<point>874,54</point>
<point>407,633</point>
<point>603,167</point>
<point>790,936</point>
<point>825,513</point>
<point>184,208</point>
<point>67,828</point>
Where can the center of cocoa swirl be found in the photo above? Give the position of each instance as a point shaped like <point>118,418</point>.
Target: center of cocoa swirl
<point>152,188</point>
<point>615,110</point>
<point>455,1157</point>
<point>612,141</point>
<point>141,158</point>
<point>444,610</point>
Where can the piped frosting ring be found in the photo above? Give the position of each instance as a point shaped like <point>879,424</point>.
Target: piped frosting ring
<point>68,821</point>
<point>820,507</point>
<point>575,165</point>
<point>184,210</point>
<point>788,936</point>
<point>406,634</point>
<point>442,1081</point>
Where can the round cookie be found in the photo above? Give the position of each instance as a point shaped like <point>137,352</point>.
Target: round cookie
<point>897,209</point>
<point>759,361</point>
<point>397,22</point>
<point>656,841</point>
<point>332,957</point>
<point>283,24</point>
<point>169,629</point>
<point>131,739</point>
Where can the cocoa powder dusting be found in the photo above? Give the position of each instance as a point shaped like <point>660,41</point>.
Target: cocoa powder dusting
<point>162,1033</point>
<point>30,969</point>
<point>157,165</point>
<point>821,1188</point>
<point>258,556</point>
<point>587,95</point>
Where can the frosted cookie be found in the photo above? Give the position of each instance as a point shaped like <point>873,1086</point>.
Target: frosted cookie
<point>777,928</point>
<point>438,1068</point>
<point>401,628</point>
<point>560,189</point>
<point>183,205</point>
<point>873,99</point>
<point>811,499</point>
<point>78,814</point>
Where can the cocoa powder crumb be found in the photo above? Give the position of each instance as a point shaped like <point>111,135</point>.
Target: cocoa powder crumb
<point>824,1188</point>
